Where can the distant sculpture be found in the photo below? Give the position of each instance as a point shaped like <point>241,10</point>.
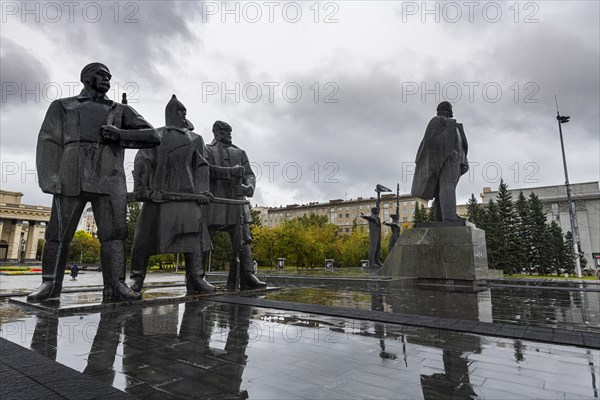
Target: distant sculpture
<point>80,153</point>
<point>374,237</point>
<point>441,160</point>
<point>395,227</point>
<point>221,152</point>
<point>173,182</point>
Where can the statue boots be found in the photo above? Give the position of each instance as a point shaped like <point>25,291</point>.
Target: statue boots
<point>54,261</point>
<point>112,255</point>
<point>139,265</point>
<point>195,281</point>
<point>247,279</point>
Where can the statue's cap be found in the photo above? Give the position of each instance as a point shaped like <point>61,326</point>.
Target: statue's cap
<point>171,115</point>
<point>444,106</point>
<point>88,68</point>
<point>220,125</point>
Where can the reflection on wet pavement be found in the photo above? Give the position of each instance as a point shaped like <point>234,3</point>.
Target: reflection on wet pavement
<point>567,309</point>
<point>206,350</point>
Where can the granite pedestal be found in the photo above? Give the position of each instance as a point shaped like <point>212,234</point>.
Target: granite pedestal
<point>452,255</point>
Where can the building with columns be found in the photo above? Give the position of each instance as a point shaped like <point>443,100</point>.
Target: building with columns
<point>21,226</point>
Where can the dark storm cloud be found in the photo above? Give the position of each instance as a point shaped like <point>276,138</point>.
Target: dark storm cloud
<point>373,132</point>
<point>365,136</point>
<point>20,69</point>
<point>23,77</point>
<point>136,37</point>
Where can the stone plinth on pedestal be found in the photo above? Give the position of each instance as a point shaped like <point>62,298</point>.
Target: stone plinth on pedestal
<point>450,254</point>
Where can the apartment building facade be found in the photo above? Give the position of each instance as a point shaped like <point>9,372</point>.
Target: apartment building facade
<point>345,213</point>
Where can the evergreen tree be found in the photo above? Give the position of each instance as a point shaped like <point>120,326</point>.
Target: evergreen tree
<point>569,253</point>
<point>547,256</point>
<point>490,225</point>
<point>557,249</point>
<point>506,230</point>
<point>475,212</point>
<point>569,260</point>
<point>522,238</point>
<point>419,215</point>
<point>536,224</point>
<point>430,215</point>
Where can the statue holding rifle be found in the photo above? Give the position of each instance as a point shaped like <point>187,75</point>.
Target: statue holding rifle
<point>173,182</point>
<point>233,218</point>
<point>80,152</point>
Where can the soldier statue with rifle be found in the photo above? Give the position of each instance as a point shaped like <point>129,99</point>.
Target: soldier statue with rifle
<point>232,218</point>
<point>80,152</point>
<point>173,182</point>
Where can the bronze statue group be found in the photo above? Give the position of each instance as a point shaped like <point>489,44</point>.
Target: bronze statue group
<point>189,190</point>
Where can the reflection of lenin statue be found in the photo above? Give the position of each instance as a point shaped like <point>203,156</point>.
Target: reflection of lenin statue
<point>440,162</point>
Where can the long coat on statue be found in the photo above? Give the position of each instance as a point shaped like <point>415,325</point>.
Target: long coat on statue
<point>444,146</point>
<point>178,165</point>
<point>224,155</point>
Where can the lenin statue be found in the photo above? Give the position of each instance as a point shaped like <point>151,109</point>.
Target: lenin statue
<point>441,160</point>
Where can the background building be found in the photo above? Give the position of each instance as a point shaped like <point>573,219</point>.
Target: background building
<point>346,213</point>
<point>21,226</point>
<point>586,199</point>
<point>87,222</point>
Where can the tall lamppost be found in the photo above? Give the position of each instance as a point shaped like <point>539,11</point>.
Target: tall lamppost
<point>563,119</point>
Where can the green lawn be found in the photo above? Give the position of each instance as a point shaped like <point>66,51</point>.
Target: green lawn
<point>590,278</point>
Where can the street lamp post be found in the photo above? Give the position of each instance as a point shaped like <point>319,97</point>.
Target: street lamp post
<point>562,119</point>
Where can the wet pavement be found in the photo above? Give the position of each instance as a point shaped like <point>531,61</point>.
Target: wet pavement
<point>521,306</point>
<point>88,279</point>
<point>333,341</point>
<point>202,349</point>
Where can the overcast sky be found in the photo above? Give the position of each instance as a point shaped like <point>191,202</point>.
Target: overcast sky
<point>327,98</point>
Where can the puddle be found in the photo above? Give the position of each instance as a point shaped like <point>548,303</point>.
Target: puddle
<point>540,307</point>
